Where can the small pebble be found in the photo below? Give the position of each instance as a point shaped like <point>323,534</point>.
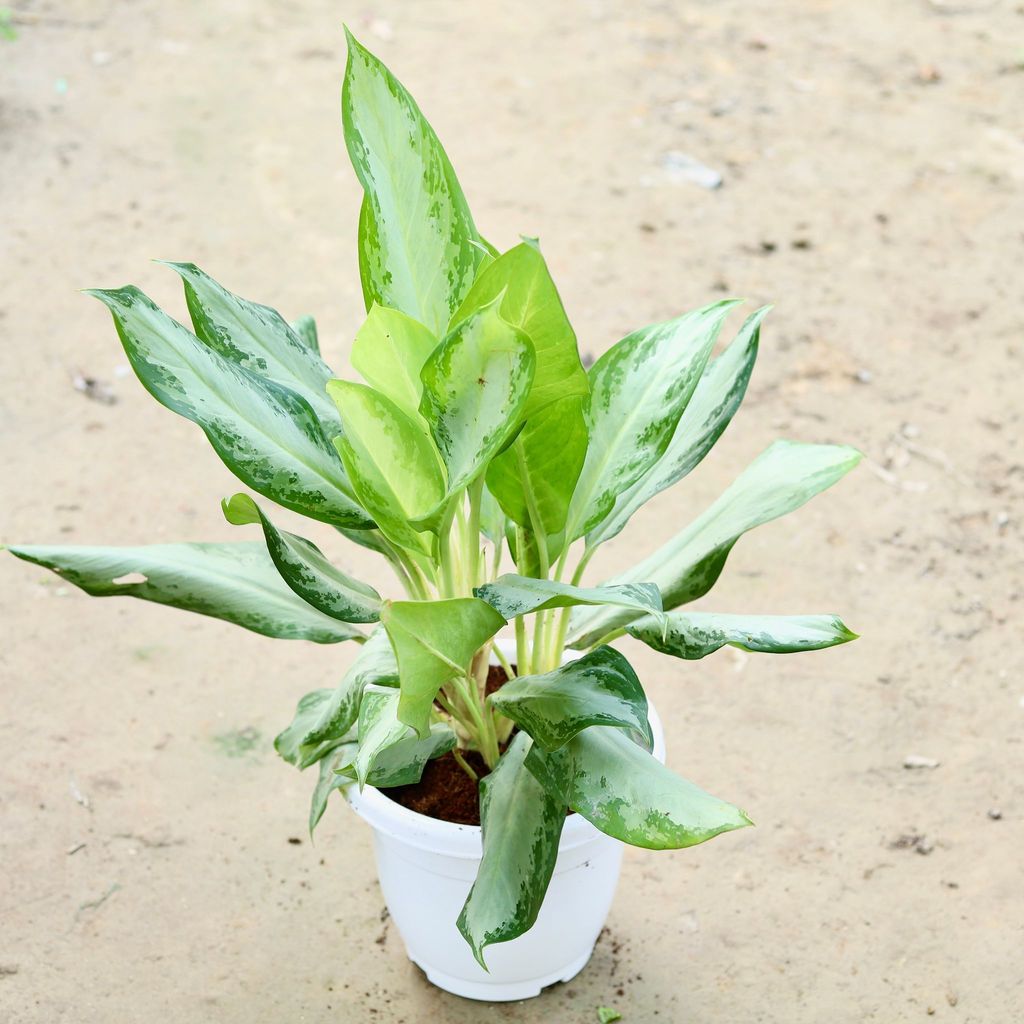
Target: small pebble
<point>917,761</point>
<point>994,813</point>
<point>862,376</point>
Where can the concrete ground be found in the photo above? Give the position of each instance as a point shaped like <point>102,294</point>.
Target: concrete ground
<point>153,860</point>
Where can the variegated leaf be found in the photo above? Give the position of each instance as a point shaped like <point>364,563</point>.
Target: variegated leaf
<point>265,433</point>
<point>512,595</point>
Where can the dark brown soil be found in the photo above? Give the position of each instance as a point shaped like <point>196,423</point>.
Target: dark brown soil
<point>445,791</point>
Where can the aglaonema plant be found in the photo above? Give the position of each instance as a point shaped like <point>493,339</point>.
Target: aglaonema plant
<point>474,437</point>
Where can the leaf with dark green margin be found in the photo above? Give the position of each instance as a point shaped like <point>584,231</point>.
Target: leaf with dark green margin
<point>391,461</point>
<point>629,794</point>
<point>475,387</point>
<point>638,391</point>
<point>717,397</point>
<point>434,642</point>
<point>234,582</point>
<point>600,688</point>
<point>324,717</point>
<point>265,433</point>
<point>512,595</point>
<point>693,635</point>
<point>329,780</point>
<point>258,338</point>
<point>530,302</point>
<point>390,753</point>
<point>416,234</point>
<point>389,351</point>
<point>542,465</point>
<point>305,329</point>
<point>521,829</point>
<point>304,568</point>
<point>785,476</point>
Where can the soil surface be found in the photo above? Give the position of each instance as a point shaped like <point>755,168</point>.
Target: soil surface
<point>154,861</point>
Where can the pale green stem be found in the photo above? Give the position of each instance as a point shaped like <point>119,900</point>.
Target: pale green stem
<point>504,662</point>
<point>461,762</point>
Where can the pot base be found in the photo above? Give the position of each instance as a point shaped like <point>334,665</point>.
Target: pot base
<point>502,992</point>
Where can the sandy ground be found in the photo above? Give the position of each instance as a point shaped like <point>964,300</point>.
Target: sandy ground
<point>873,163</point>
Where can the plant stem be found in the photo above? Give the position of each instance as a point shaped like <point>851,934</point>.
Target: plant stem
<point>504,662</point>
<point>464,765</point>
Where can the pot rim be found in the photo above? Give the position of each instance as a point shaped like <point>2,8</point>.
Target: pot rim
<point>464,841</point>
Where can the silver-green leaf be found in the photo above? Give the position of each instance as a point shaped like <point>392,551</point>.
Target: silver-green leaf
<point>304,568</point>
<point>416,234</point>
<point>629,794</point>
<point>780,480</point>
<point>693,635</point>
<point>521,825</point>
<point>512,595</point>
<point>328,780</point>
<point>266,434</point>
<point>600,688</point>
<point>235,582</point>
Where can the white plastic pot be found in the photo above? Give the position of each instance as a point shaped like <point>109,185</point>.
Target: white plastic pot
<point>427,866</point>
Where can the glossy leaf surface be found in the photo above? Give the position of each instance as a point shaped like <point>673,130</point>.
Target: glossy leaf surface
<point>522,824</point>
<point>780,480</point>
<point>693,635</point>
<point>475,387</point>
<point>416,234</point>
<point>434,642</point>
<point>267,434</point>
<point>598,689</point>
<point>512,595</point>
<point>629,794</point>
<point>304,568</point>
<point>638,390</point>
<point>235,582</point>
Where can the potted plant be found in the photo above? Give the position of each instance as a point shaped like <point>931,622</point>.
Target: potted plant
<point>475,437</point>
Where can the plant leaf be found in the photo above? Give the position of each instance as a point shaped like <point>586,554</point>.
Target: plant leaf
<point>258,338</point>
<point>693,635</point>
<point>434,641</point>
<point>521,828</point>
<point>717,397</point>
<point>329,780</point>
<point>389,351</point>
<point>600,688</point>
<point>542,465</point>
<point>265,433</point>
<point>234,582</point>
<point>304,568</point>
<point>390,753</point>
<point>305,329</point>
<point>629,794</point>
<point>638,390</point>
<point>324,717</point>
<point>530,302</point>
<point>475,387</point>
<point>416,234</point>
<point>394,467</point>
<point>785,476</point>
<point>512,595</point>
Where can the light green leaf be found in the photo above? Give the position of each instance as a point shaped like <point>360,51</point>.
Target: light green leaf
<point>512,595</point>
<point>329,780</point>
<point>390,753</point>
<point>394,466</point>
<point>234,582</point>
<point>492,518</point>
<point>530,302</point>
<point>780,480</point>
<point>694,635</point>
<point>304,568</point>
<point>389,351</point>
<point>607,1014</point>
<point>475,386</point>
<point>305,328</point>
<point>416,234</point>
<point>521,828</point>
<point>266,434</point>
<point>434,642</point>
<point>629,794</point>
<point>540,468</point>
<point>258,338</point>
<point>714,402</point>
<point>600,688</point>
<point>639,389</point>
<point>324,717</point>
